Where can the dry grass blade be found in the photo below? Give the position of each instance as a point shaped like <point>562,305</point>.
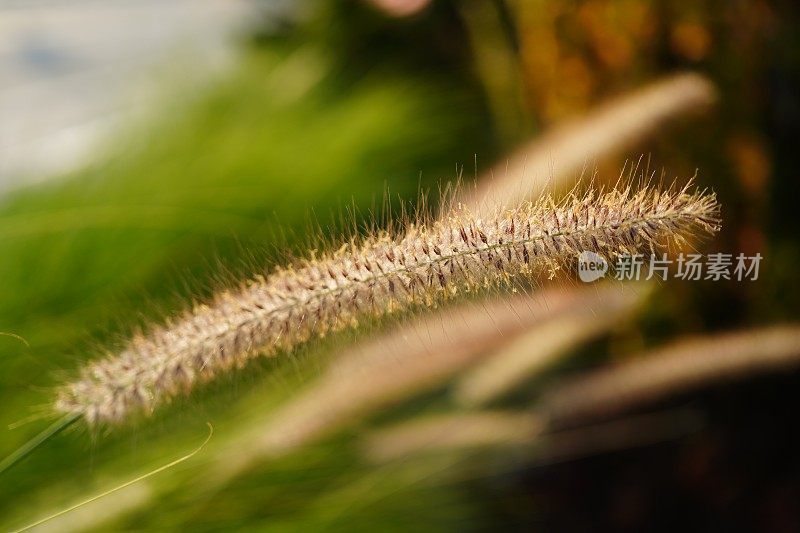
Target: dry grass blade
<point>683,366</point>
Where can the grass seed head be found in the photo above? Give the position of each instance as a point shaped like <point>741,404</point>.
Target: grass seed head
<point>431,262</point>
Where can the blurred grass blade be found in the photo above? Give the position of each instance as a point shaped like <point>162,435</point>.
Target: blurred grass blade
<point>124,485</point>
<point>26,449</point>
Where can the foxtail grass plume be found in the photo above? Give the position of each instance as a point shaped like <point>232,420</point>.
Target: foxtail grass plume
<point>456,433</point>
<point>429,263</point>
<point>452,432</point>
<point>533,352</point>
<point>550,162</point>
<point>686,365</point>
